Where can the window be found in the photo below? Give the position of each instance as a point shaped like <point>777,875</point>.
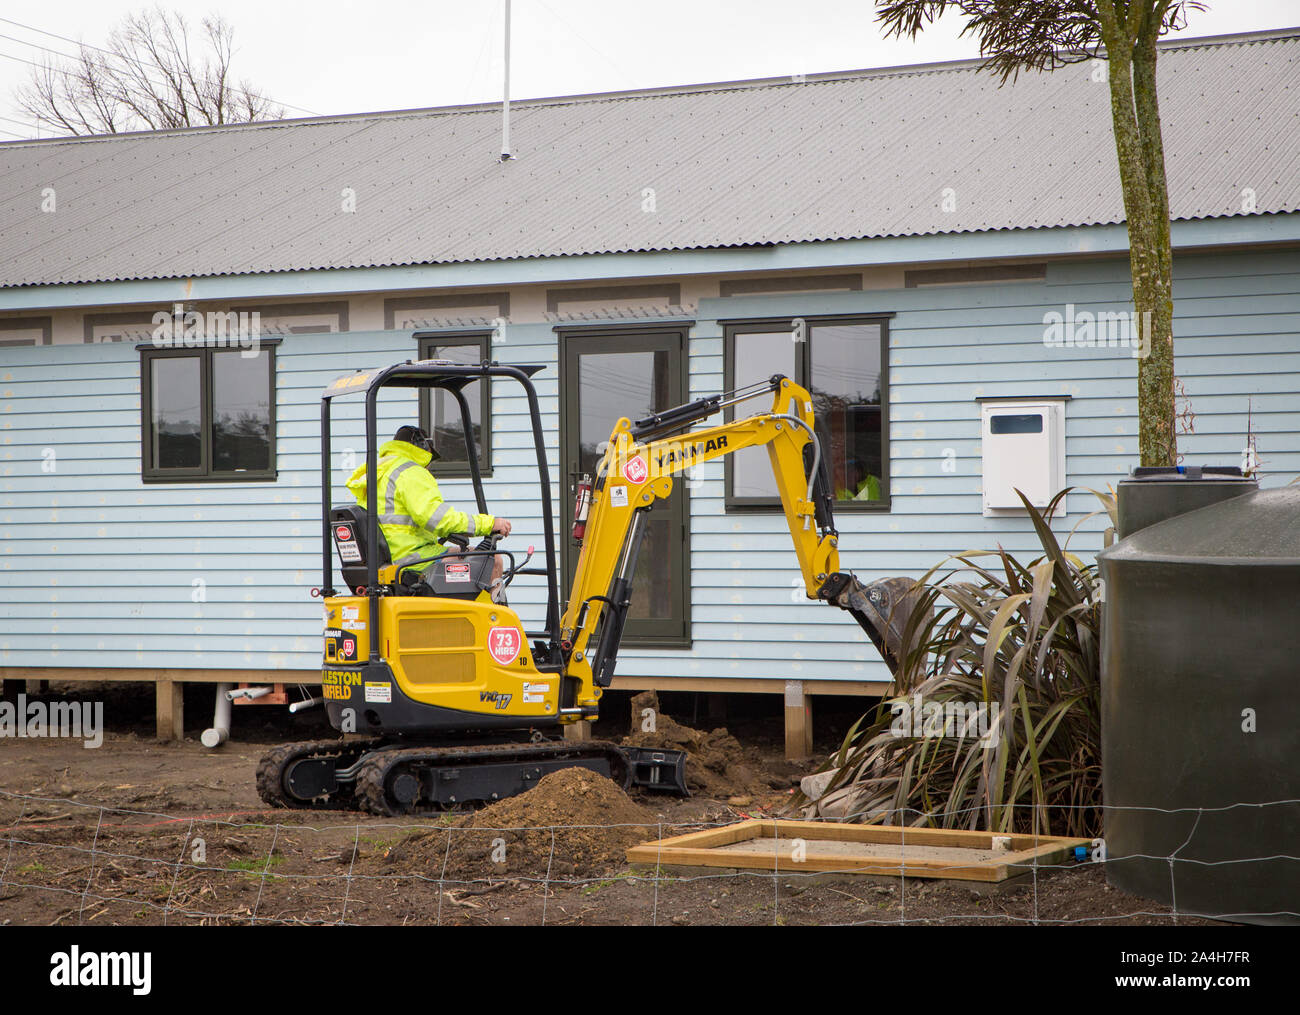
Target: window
<point>300,318</point>
<point>839,360</point>
<point>208,414</point>
<point>440,414</point>
<point>449,310</point>
<point>606,373</point>
<point>984,274</point>
<point>132,326</point>
<point>26,331</point>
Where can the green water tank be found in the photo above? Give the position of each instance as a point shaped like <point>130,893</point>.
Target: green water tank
<point>1153,494</point>
<point>1200,707</point>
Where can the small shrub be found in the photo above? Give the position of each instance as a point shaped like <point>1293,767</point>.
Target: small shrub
<point>1025,637</point>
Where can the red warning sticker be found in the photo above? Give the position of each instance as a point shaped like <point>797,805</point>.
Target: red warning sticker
<point>348,547</point>
<point>504,644</point>
<point>635,470</point>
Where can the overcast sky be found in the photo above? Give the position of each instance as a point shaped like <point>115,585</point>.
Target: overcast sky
<point>335,56</point>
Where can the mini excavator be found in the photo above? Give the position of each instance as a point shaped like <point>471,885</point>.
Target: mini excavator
<point>453,701</point>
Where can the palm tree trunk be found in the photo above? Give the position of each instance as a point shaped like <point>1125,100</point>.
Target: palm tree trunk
<point>1131,51</point>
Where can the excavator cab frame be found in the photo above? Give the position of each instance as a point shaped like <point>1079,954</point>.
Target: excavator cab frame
<point>452,378</point>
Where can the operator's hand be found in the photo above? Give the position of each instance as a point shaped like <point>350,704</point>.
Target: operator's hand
<point>501,527</point>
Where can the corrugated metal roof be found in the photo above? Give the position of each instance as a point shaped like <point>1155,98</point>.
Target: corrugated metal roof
<point>838,156</point>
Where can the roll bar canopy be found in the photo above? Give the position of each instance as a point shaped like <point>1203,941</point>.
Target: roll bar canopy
<point>451,377</point>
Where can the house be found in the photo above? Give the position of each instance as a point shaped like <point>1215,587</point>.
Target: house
<point>930,252</point>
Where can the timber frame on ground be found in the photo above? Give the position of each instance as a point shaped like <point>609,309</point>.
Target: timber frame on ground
<point>169,710</point>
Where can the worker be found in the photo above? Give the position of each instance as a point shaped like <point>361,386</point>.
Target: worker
<point>866,484</point>
<point>412,514</point>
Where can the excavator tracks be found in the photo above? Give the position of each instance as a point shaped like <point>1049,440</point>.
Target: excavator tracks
<point>391,778</point>
<point>426,779</point>
<point>305,776</point>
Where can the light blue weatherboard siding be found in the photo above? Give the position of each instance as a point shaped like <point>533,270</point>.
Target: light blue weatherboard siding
<point>98,569</point>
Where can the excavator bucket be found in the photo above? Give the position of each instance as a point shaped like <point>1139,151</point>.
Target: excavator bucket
<point>882,609</point>
<point>653,768</point>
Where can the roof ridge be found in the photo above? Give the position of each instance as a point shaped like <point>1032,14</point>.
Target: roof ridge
<point>653,92</point>
<point>1232,38</point>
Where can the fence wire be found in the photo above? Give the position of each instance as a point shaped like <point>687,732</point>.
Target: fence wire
<point>36,845</point>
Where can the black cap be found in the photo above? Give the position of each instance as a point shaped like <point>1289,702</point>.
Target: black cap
<point>414,435</point>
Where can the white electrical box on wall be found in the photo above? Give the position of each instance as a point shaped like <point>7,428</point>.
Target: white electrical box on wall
<point>1023,443</point>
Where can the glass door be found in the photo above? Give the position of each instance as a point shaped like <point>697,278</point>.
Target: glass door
<point>608,375</point>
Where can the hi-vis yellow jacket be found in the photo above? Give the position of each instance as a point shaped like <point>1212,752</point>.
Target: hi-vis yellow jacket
<point>412,514</point>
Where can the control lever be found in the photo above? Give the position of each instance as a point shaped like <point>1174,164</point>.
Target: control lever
<point>508,575</point>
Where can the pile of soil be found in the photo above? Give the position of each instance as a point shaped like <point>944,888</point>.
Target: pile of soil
<point>717,764</point>
<point>584,825</point>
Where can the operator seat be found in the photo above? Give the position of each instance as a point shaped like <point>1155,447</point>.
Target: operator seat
<point>348,525</point>
<point>451,576</point>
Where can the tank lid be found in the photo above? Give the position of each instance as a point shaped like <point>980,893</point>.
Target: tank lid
<point>1167,473</point>
<point>1261,525</point>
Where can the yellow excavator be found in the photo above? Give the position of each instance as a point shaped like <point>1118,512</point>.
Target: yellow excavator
<point>455,702</point>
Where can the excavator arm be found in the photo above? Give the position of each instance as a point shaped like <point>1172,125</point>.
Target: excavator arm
<point>638,468</point>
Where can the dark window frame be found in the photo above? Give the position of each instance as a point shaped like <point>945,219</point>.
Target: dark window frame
<point>803,369</point>
<point>675,632</point>
<point>483,339</point>
<point>151,473</point>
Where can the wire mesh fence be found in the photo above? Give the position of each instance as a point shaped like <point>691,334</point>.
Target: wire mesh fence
<point>88,863</point>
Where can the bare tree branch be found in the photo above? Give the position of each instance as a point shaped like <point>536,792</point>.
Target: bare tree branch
<point>150,75</point>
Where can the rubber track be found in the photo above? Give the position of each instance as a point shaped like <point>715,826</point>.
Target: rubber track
<point>270,772</point>
<point>374,771</point>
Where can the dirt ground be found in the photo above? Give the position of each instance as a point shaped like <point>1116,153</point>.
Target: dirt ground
<point>143,832</point>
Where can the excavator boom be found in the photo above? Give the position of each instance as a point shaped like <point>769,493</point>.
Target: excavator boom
<point>638,469</point>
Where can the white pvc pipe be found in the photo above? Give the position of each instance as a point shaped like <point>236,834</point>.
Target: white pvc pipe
<point>220,730</point>
<point>298,706</point>
<point>246,692</point>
